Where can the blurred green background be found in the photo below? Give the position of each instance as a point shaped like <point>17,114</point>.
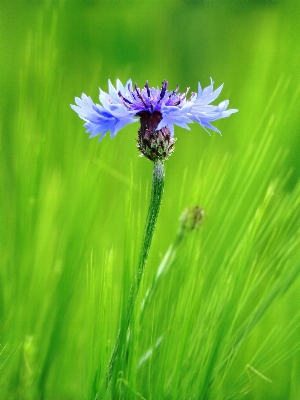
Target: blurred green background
<point>72,210</point>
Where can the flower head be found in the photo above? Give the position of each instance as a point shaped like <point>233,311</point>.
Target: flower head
<point>157,109</point>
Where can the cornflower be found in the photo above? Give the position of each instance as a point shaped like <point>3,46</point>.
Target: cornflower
<point>158,110</point>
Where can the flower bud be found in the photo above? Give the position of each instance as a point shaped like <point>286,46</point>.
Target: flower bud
<point>191,219</point>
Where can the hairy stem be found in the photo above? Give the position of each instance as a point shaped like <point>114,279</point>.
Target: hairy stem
<point>158,178</point>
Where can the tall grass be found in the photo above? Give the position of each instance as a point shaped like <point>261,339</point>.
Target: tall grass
<point>223,322</point>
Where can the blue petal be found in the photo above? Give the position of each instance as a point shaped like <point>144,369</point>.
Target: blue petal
<point>203,112</point>
<point>210,126</point>
<point>98,119</point>
<point>175,115</point>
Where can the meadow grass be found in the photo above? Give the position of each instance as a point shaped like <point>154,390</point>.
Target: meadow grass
<point>223,321</point>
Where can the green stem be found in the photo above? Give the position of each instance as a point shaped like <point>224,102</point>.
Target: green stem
<point>158,179</point>
<point>162,269</point>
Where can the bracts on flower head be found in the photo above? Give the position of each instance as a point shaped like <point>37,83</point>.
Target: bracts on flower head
<point>156,145</point>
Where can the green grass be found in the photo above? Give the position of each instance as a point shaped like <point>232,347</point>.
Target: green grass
<point>224,321</point>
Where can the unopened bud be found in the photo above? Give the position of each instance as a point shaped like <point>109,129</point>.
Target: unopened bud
<point>191,219</point>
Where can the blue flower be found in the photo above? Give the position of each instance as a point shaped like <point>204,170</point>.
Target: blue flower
<point>160,108</point>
